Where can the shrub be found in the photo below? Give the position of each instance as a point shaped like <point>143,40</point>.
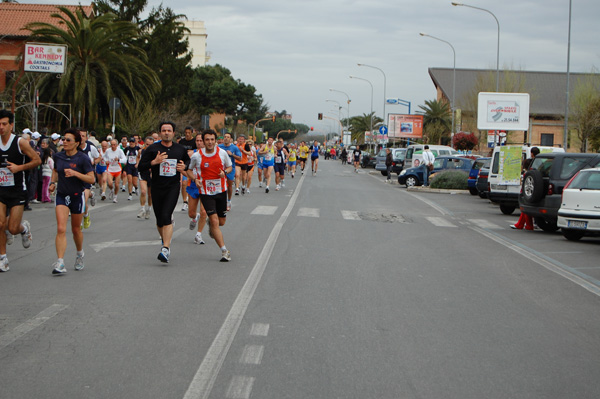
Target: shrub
<point>450,179</point>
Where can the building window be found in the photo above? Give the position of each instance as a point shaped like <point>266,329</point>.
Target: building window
<point>547,139</point>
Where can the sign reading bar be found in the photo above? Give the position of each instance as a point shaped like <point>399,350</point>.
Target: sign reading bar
<point>503,111</point>
<point>47,58</point>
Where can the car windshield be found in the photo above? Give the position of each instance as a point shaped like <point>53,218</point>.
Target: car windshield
<point>570,166</point>
<point>381,153</point>
<point>480,164</point>
<point>586,180</point>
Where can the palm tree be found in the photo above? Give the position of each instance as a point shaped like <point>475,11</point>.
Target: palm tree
<point>437,119</point>
<point>362,124</point>
<point>103,62</point>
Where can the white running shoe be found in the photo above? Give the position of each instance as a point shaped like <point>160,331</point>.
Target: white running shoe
<point>4,265</point>
<point>9,238</point>
<point>194,221</point>
<point>228,205</point>
<point>92,198</point>
<point>198,239</point>
<point>237,191</point>
<point>26,238</point>
<point>282,184</point>
<point>277,187</point>
<point>129,198</point>
<point>141,213</point>
<point>225,256</point>
<point>260,184</point>
<point>115,199</point>
<point>79,263</point>
<point>163,256</point>
<point>147,216</point>
<point>103,196</point>
<point>123,188</point>
<point>59,268</point>
<point>111,195</point>
<point>184,207</point>
<point>247,191</point>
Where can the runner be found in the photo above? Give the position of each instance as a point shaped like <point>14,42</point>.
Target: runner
<point>241,166</point>
<point>259,165</point>
<point>114,157</point>
<point>356,158</point>
<point>123,145</point>
<point>268,150</point>
<point>193,173</point>
<point>145,184</point>
<point>235,154</point>
<point>314,157</point>
<point>166,160</point>
<point>251,163</point>
<point>73,171</point>
<point>189,143</point>
<point>87,147</point>
<point>292,160</point>
<point>13,190</point>
<point>101,173</point>
<point>302,155</point>
<point>214,166</point>
<point>280,161</point>
<point>131,172</point>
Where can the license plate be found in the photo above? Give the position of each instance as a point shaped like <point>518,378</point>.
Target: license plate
<point>498,187</point>
<point>577,224</point>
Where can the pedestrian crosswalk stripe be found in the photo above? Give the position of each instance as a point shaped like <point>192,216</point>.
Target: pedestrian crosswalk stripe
<point>264,210</point>
<point>309,212</point>
<point>440,222</point>
<point>350,215</point>
<point>485,224</point>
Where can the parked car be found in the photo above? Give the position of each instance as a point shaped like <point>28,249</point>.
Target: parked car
<point>482,182</point>
<point>398,155</point>
<point>474,173</point>
<point>368,160</point>
<point>414,176</point>
<point>414,153</point>
<point>543,184</point>
<point>579,212</point>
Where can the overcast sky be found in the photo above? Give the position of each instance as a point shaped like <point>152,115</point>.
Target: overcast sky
<point>293,51</point>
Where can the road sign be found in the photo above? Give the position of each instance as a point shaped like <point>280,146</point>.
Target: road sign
<point>383,130</point>
<point>114,103</point>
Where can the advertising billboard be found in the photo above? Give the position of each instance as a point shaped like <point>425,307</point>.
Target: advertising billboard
<point>403,125</point>
<point>47,58</point>
<point>503,111</point>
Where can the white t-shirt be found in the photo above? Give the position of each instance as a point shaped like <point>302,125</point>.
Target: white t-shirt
<point>428,157</point>
<point>114,159</point>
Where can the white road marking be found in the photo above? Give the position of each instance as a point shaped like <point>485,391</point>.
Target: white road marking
<point>118,244</point>
<point>259,329</point>
<point>204,379</point>
<point>485,224</point>
<point>22,329</point>
<point>309,212</point>
<point>440,222</point>
<point>264,210</point>
<point>240,387</point>
<point>252,354</point>
<point>350,215</point>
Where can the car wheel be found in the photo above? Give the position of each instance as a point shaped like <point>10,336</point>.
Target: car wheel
<point>473,191</point>
<point>482,194</point>
<point>411,181</point>
<point>573,235</point>
<point>533,186</point>
<point>507,209</point>
<point>384,172</point>
<point>546,225</point>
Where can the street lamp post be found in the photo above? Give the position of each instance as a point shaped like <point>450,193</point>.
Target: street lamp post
<point>348,108</point>
<point>339,114</point>
<point>384,87</point>
<point>371,84</point>
<point>453,75</point>
<point>498,46</point>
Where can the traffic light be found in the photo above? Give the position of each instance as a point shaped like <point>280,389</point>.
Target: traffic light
<point>320,116</point>
<point>273,118</point>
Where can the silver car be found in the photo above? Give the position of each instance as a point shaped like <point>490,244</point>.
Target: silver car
<point>398,155</point>
<point>579,212</point>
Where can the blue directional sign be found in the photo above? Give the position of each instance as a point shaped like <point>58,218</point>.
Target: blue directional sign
<point>383,130</point>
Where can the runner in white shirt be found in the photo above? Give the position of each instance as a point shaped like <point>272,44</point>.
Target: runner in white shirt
<point>114,157</point>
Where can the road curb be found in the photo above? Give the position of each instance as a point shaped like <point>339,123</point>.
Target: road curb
<point>437,190</point>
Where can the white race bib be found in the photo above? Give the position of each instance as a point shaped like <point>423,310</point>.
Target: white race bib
<point>213,186</point>
<point>278,160</point>
<point>7,179</point>
<point>168,168</point>
<point>268,156</point>
<point>132,159</point>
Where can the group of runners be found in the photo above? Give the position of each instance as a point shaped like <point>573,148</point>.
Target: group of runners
<point>206,173</point>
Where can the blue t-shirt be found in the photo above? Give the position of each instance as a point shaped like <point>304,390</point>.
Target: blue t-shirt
<point>79,162</point>
<point>235,151</point>
<point>314,151</point>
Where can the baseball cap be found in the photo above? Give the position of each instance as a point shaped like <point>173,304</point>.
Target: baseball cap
<point>55,136</point>
<point>132,140</point>
<point>26,130</point>
<point>36,135</point>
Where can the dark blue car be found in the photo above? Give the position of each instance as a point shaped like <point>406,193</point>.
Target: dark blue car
<point>414,176</point>
<point>474,173</point>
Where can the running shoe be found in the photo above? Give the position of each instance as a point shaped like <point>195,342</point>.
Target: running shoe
<point>103,196</point>
<point>225,256</point>
<point>243,190</point>
<point>292,175</point>
<point>147,216</point>
<point>123,188</point>
<point>59,268</point>
<point>237,191</point>
<point>111,195</point>
<point>247,191</point>
<point>35,201</point>
<point>184,207</point>
<point>79,262</point>
<point>260,184</point>
<point>4,265</point>
<point>302,171</point>
<point>87,222</point>
<point>141,213</point>
<point>228,205</point>
<point>194,221</point>
<point>282,184</point>
<point>277,187</point>
<point>115,199</point>
<point>198,239</point>
<point>9,238</point>
<point>26,238</point>
<point>129,198</point>
<point>163,256</point>
<point>92,198</point>
<point>267,190</point>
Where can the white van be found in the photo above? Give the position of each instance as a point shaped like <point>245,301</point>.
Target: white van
<point>504,180</point>
<point>414,153</point>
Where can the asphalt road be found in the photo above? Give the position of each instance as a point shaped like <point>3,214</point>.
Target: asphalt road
<point>340,286</point>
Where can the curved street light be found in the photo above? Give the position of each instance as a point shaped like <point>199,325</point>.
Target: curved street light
<point>497,48</point>
<point>384,86</point>
<point>348,108</point>
<point>453,75</point>
<point>371,84</point>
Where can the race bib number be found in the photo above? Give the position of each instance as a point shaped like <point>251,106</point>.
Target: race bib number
<point>278,160</point>
<point>168,168</point>
<point>7,179</point>
<point>213,186</point>
<point>268,156</point>
<point>132,159</point>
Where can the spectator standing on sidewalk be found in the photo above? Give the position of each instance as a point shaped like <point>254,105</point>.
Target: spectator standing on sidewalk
<point>388,164</point>
<point>427,165</point>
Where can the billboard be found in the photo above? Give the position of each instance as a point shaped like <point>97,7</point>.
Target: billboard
<point>503,111</point>
<point>47,58</point>
<point>403,125</point>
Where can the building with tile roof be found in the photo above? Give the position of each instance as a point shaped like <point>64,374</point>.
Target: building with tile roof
<point>13,35</point>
